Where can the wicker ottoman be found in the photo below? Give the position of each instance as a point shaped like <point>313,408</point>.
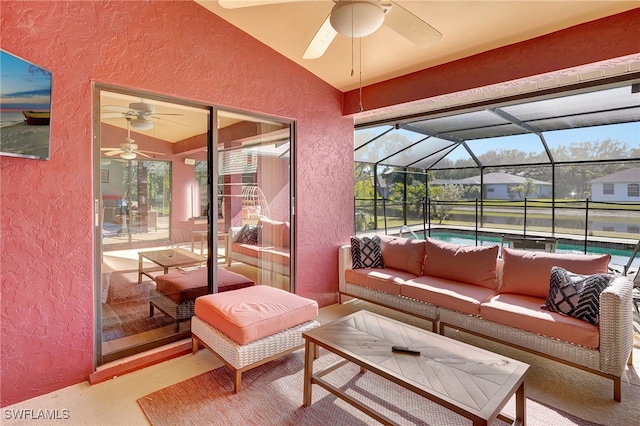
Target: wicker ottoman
<point>251,326</point>
<point>175,293</point>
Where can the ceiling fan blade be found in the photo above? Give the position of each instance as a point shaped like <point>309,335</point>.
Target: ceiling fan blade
<point>411,27</point>
<point>236,4</point>
<point>111,115</point>
<point>321,41</point>
<point>112,153</point>
<point>148,152</point>
<point>169,121</point>
<point>141,153</point>
<point>115,108</point>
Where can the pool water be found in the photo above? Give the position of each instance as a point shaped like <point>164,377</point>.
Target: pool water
<point>618,257</point>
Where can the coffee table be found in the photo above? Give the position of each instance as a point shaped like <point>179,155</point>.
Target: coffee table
<point>168,258</point>
<point>470,381</point>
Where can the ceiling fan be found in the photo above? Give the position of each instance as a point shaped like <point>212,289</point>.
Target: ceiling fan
<point>357,18</point>
<point>138,114</point>
<point>128,150</point>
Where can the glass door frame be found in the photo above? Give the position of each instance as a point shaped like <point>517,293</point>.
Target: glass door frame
<point>212,243</point>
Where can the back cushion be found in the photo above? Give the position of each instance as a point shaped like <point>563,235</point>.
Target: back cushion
<point>403,253</point>
<point>272,232</point>
<point>466,264</point>
<point>528,272</point>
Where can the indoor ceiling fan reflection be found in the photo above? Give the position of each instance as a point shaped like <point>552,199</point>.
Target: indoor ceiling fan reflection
<point>357,18</point>
<point>140,114</point>
<point>128,150</point>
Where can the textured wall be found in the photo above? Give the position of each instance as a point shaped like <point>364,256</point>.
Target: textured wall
<point>174,48</point>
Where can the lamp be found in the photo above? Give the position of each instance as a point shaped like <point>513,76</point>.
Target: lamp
<point>356,18</point>
<point>127,155</point>
<point>141,124</point>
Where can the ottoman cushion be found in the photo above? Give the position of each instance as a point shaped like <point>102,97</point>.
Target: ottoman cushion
<point>252,313</point>
<point>183,286</point>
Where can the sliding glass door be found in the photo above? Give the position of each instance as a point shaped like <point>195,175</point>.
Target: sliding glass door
<point>174,204</point>
<point>254,198</point>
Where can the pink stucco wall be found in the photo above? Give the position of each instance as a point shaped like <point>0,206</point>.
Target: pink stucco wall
<point>173,48</point>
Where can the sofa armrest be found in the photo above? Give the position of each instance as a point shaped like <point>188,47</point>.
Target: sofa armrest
<point>344,263</point>
<point>616,325</point>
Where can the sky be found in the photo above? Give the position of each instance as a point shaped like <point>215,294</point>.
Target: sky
<point>23,86</point>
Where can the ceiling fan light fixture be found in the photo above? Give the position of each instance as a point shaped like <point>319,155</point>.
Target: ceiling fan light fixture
<point>128,155</point>
<point>141,124</point>
<point>356,18</point>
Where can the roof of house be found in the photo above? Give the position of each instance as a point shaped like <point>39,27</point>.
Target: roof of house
<point>629,175</point>
<point>492,178</point>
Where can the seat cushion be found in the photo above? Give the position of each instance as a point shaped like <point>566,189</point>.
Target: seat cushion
<point>524,312</point>
<point>382,279</point>
<point>183,286</point>
<point>461,297</point>
<point>252,313</point>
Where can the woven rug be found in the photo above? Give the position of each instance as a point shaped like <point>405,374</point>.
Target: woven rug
<point>272,395</point>
<point>127,309</point>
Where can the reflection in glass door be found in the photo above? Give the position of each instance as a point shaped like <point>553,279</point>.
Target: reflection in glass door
<point>146,221</point>
<point>254,198</point>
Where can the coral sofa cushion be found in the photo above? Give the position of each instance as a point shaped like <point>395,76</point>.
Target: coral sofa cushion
<point>184,286</point>
<point>403,253</point>
<point>465,264</point>
<point>524,312</point>
<point>465,298</point>
<point>272,232</point>
<point>528,272</point>
<point>252,313</point>
<point>382,279</point>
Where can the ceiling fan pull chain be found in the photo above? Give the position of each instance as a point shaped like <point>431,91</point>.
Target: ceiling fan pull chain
<point>352,49</point>
<point>360,53</point>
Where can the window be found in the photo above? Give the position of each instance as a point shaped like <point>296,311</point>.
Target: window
<point>607,189</point>
<point>633,190</point>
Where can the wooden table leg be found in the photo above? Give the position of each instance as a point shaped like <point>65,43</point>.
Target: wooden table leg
<point>521,406</point>
<point>139,268</point>
<point>309,353</point>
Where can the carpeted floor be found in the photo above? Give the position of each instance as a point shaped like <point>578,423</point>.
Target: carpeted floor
<point>127,309</point>
<point>272,395</point>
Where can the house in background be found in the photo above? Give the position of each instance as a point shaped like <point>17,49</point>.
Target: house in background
<point>620,186</point>
<point>504,186</point>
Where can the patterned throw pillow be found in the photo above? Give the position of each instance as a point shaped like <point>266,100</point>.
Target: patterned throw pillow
<point>576,295</point>
<point>366,252</point>
<point>249,234</point>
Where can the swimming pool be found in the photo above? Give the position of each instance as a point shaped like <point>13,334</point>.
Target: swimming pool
<point>618,257</point>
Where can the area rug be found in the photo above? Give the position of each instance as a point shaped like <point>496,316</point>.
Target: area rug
<point>272,395</point>
<point>127,309</point>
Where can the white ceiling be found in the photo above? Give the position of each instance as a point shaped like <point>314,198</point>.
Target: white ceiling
<point>467,27</point>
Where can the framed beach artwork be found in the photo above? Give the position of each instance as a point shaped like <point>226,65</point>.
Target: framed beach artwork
<point>25,108</point>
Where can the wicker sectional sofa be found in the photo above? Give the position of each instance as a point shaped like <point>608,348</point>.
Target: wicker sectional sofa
<point>499,296</point>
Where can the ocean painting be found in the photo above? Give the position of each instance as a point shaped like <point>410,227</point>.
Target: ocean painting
<point>25,108</point>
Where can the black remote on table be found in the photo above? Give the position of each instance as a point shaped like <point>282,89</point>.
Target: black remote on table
<point>404,349</point>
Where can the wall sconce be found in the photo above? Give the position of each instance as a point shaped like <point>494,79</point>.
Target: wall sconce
<point>189,161</point>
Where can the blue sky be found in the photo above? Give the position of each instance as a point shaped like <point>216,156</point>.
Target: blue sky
<point>628,133</point>
<point>23,85</point>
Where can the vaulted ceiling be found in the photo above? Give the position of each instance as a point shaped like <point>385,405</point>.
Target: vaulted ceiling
<point>467,27</point>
